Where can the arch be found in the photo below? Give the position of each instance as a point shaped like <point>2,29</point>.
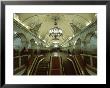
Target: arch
<point>78,45</point>
<point>88,37</point>
<point>78,42</point>
<point>90,43</point>
<point>93,44</point>
<point>20,41</point>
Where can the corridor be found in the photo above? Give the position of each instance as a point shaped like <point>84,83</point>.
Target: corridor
<point>55,44</point>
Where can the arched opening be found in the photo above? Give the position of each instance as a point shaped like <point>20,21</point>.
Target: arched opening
<point>20,41</point>
<point>78,46</point>
<point>90,44</point>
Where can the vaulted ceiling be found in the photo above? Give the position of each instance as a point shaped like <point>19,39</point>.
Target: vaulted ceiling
<point>41,23</point>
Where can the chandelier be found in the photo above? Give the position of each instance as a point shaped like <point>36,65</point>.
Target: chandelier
<point>55,31</point>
